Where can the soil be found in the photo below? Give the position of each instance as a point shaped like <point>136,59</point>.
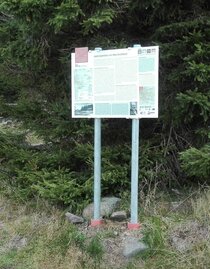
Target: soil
<point>113,236</point>
<point>187,234</point>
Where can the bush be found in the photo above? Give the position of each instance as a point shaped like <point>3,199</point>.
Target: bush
<point>196,162</point>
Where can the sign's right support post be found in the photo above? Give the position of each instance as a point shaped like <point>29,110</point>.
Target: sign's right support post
<point>134,225</point>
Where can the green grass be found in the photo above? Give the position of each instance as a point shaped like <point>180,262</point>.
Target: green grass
<point>8,259</point>
<point>55,244</point>
<point>158,227</point>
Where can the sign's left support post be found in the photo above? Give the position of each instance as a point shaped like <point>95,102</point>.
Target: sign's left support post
<point>97,174</point>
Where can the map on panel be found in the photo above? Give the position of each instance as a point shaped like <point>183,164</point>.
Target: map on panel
<point>119,83</point>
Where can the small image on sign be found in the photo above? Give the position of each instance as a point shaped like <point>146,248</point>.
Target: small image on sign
<point>83,109</point>
<point>81,55</point>
<point>133,108</point>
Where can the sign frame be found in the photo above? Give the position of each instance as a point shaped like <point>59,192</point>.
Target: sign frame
<point>116,83</point>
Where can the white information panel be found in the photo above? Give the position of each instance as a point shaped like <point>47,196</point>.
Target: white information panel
<point>119,83</point>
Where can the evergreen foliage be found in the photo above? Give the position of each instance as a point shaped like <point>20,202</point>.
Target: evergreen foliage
<point>36,38</point>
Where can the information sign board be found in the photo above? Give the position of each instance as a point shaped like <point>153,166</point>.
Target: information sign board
<point>118,83</point>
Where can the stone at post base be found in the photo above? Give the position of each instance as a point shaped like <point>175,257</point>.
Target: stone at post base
<point>133,226</point>
<point>73,218</point>
<point>119,215</point>
<point>107,206</point>
<point>133,246</point>
<point>96,222</point>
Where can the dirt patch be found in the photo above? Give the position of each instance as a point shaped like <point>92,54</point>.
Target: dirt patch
<point>188,234</point>
<point>112,236</point>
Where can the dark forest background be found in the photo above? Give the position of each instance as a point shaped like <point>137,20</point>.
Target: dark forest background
<point>36,41</point>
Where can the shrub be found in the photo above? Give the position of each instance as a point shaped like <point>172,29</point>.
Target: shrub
<point>196,162</point>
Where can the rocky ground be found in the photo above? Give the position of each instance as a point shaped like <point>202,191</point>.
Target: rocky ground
<point>24,233</point>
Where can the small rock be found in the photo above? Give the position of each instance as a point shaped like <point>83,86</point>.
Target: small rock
<point>17,242</point>
<point>38,146</point>
<point>176,191</point>
<point>73,218</point>
<point>180,206</point>
<point>1,225</point>
<point>108,205</point>
<point>118,216</point>
<point>8,122</point>
<point>133,246</point>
